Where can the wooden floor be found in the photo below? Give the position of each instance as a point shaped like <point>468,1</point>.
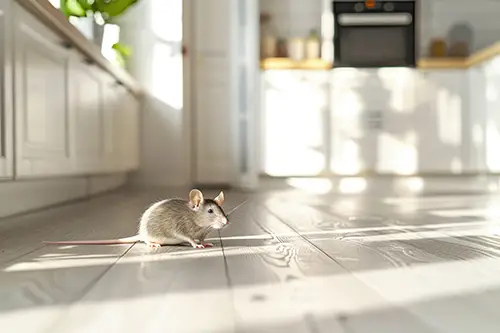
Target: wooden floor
<point>290,261</point>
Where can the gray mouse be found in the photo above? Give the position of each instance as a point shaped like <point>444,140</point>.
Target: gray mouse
<point>174,221</point>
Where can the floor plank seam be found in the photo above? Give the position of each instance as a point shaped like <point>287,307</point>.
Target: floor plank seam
<point>306,239</point>
<point>229,284</point>
<point>91,284</point>
<point>309,318</point>
<point>21,256</point>
<point>226,267</point>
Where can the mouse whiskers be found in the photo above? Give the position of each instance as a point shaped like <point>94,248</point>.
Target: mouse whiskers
<point>235,208</point>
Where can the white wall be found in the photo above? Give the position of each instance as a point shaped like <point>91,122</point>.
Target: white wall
<point>153,29</point>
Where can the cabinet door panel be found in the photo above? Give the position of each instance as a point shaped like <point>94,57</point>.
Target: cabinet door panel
<point>112,125</point>
<point>86,100</point>
<point>438,119</point>
<point>41,104</point>
<point>128,130</point>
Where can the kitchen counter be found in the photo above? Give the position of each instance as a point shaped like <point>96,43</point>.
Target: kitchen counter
<point>425,63</point>
<point>438,118</point>
<point>56,20</point>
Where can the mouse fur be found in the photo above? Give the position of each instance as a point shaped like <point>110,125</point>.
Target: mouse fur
<point>174,221</point>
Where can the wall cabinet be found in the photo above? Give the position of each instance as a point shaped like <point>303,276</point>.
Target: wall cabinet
<point>71,117</point>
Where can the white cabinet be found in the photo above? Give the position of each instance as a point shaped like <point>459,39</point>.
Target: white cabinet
<point>491,97</point>
<point>41,101</point>
<point>441,104</point>
<point>398,121</point>
<point>6,132</point>
<point>371,117</point>
<point>106,122</point>
<point>122,129</point>
<point>71,116</point>
<point>293,131</point>
<point>397,138</point>
<point>86,100</point>
<point>128,116</point>
<point>112,127</point>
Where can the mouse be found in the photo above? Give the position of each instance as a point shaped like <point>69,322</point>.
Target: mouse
<point>173,222</point>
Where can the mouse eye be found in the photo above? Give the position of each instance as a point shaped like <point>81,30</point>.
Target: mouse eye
<point>210,211</point>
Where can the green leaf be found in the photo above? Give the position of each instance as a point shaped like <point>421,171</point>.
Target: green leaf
<point>120,60</point>
<point>72,8</point>
<point>113,7</point>
<point>123,50</point>
<point>85,4</point>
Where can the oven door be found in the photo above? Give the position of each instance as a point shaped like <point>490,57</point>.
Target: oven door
<point>374,40</point>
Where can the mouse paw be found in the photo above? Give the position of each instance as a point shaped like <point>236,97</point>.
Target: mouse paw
<point>208,244</point>
<point>199,246</point>
<point>153,245</point>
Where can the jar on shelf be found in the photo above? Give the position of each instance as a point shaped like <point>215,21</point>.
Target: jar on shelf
<point>268,41</point>
<point>313,45</point>
<point>438,48</point>
<point>281,48</point>
<point>296,49</point>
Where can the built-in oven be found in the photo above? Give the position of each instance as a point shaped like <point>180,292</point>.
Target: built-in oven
<point>374,33</point>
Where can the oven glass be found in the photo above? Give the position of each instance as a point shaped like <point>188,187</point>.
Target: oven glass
<point>373,46</point>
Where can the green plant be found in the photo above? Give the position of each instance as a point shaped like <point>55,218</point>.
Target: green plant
<point>106,8</point>
<point>122,52</point>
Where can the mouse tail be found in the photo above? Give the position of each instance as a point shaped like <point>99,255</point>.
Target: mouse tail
<point>125,240</point>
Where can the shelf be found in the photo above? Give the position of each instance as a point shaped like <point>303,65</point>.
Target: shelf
<point>286,63</point>
<point>443,63</point>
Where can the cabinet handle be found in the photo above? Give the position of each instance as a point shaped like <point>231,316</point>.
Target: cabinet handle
<point>67,45</point>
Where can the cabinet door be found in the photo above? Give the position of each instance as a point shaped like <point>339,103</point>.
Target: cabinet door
<point>6,142</point>
<point>293,122</point>
<point>86,101</point>
<point>129,118</point>
<point>438,120</point>
<point>41,101</point>
<point>112,124</point>
<point>397,138</point>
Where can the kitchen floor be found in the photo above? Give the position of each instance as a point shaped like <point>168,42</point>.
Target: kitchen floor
<point>309,260</point>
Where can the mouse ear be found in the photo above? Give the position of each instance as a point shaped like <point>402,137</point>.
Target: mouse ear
<point>195,198</point>
<point>220,198</point>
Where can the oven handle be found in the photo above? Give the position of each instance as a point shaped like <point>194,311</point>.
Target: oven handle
<point>375,19</point>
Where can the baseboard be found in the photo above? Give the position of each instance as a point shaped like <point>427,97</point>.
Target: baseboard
<point>21,196</point>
